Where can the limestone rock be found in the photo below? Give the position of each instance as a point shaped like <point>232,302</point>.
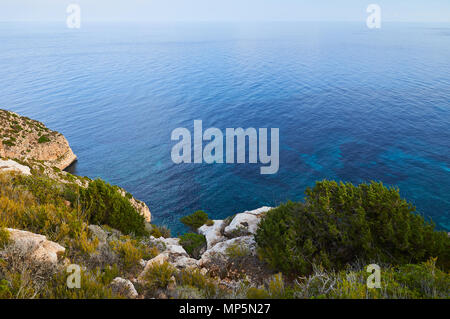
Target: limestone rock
<point>44,250</point>
<point>29,139</point>
<point>220,249</point>
<point>141,207</point>
<point>124,287</point>
<point>99,233</point>
<point>10,165</point>
<point>160,259</point>
<point>212,233</point>
<point>245,223</point>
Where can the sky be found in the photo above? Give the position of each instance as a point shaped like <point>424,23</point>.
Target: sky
<point>225,10</point>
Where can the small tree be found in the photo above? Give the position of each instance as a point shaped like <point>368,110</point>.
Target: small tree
<point>195,220</point>
<point>193,244</point>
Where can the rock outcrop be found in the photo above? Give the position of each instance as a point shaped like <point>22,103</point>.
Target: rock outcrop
<point>245,223</point>
<point>23,138</point>
<point>124,287</point>
<point>220,250</point>
<point>43,150</point>
<point>42,249</point>
<point>213,233</point>
<point>10,165</point>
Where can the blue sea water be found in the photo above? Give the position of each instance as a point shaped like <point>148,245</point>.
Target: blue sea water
<point>351,104</point>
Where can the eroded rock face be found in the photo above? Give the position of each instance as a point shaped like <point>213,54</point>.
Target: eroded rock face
<point>10,165</point>
<point>43,249</point>
<point>24,138</point>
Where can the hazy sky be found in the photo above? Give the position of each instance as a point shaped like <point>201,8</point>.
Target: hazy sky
<point>226,10</point>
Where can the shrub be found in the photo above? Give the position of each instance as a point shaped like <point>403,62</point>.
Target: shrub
<point>237,251</point>
<point>4,237</point>
<point>26,276</point>
<point>5,292</point>
<point>160,231</point>
<point>159,276</point>
<point>424,279</point>
<point>8,143</point>
<point>128,252</point>
<point>195,220</point>
<point>103,204</point>
<point>205,286</point>
<point>339,223</point>
<point>193,244</point>
<point>92,287</point>
<point>209,222</point>
<point>276,288</point>
<point>43,139</point>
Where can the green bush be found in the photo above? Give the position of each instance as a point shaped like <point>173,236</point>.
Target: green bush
<point>339,223</point>
<point>195,220</point>
<point>158,276</point>
<point>160,231</point>
<point>103,204</point>
<point>4,237</point>
<point>193,244</point>
<point>205,286</point>
<point>43,139</point>
<point>91,287</point>
<point>5,292</point>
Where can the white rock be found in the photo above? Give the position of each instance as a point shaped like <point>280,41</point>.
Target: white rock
<point>212,233</point>
<point>182,262</point>
<point>10,165</point>
<point>175,250</point>
<point>220,249</point>
<point>160,259</point>
<point>124,287</point>
<point>166,241</point>
<point>245,223</point>
<point>44,250</point>
<point>259,211</point>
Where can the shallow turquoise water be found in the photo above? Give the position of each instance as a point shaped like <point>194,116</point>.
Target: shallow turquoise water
<point>351,103</point>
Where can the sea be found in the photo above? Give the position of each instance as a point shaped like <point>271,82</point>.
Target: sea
<point>351,104</point>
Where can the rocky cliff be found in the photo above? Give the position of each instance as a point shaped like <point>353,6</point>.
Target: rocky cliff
<point>28,146</point>
<point>24,138</point>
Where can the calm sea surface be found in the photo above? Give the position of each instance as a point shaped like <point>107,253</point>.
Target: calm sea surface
<point>351,104</point>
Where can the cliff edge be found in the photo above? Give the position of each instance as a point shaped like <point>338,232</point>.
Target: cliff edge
<point>29,147</point>
<point>24,138</point>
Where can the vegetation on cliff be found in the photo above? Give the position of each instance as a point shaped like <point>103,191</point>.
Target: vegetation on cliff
<point>340,223</point>
<point>320,247</point>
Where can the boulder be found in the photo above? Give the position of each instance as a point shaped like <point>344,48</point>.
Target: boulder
<point>99,233</point>
<point>183,262</point>
<point>160,259</point>
<point>245,223</point>
<point>43,249</point>
<point>213,233</point>
<point>10,165</point>
<point>220,249</point>
<point>124,287</point>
